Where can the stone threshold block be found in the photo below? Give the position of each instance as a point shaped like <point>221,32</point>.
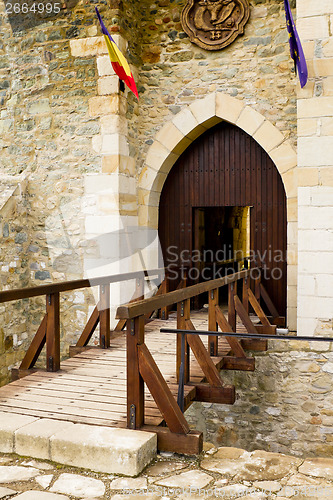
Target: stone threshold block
<point>9,424</point>
<point>104,449</point>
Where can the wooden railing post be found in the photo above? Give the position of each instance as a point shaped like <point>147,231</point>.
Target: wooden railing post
<point>164,312</point>
<point>257,281</point>
<point>213,301</point>
<point>232,292</point>
<point>183,314</point>
<point>104,316</point>
<point>53,332</point>
<point>245,293</point>
<point>135,385</point>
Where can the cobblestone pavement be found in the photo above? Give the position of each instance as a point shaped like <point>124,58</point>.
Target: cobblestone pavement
<point>217,473</point>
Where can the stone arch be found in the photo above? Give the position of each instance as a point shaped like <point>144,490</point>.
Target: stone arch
<point>177,134</point>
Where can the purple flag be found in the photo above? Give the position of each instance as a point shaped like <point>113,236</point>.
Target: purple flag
<point>296,50</point>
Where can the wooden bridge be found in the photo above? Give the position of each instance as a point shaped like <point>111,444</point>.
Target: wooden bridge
<point>132,379</point>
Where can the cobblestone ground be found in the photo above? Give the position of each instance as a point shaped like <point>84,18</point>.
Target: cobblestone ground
<point>217,473</point>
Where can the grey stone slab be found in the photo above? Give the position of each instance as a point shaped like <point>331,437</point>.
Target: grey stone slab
<point>6,492</point>
<point>9,423</point>
<point>104,449</point>
<point>33,439</point>
<point>78,486</point>
<point>40,495</point>
<point>14,473</point>
<point>191,480</point>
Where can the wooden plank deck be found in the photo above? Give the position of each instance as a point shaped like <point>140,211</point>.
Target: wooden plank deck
<point>90,388</point>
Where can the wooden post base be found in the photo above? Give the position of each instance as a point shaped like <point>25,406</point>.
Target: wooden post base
<point>17,373</point>
<point>254,345</point>
<point>242,364</point>
<point>187,444</point>
<point>223,395</point>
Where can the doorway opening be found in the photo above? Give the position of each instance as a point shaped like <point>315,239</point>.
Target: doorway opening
<point>221,239</point>
<point>221,242</point>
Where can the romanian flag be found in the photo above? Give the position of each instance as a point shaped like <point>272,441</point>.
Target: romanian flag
<point>118,61</point>
<point>296,50</point>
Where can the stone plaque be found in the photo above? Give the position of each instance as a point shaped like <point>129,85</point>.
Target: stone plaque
<point>214,24</point>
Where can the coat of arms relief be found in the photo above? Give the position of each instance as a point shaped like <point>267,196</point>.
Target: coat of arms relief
<point>214,24</point>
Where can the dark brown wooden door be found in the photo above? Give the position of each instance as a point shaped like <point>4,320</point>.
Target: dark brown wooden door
<point>225,167</point>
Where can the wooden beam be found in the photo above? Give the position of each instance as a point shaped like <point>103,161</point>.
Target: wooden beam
<point>266,330</point>
<point>104,316</point>
<point>186,444</point>
<point>161,393</point>
<point>53,332</point>
<point>135,383</point>
<point>254,345</point>
<point>183,314</point>
<point>132,310</point>
<point>242,364</point>
<point>266,298</point>
<point>203,358</point>
<point>245,294</point>
<point>258,309</point>
<point>213,341</point>
<point>225,327</point>
<point>17,373</point>
<point>35,347</point>
<point>232,293</point>
<point>66,286</point>
<point>245,318</point>
<point>223,395</point>
<point>89,328</point>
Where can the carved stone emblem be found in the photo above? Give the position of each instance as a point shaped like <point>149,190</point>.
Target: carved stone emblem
<point>214,24</point>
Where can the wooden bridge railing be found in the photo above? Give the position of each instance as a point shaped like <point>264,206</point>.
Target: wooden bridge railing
<point>141,367</point>
<point>48,332</point>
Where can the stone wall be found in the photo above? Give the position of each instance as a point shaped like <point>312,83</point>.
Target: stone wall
<point>285,405</point>
<point>315,167</point>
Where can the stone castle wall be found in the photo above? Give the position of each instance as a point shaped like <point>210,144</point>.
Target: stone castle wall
<point>85,148</point>
<point>284,406</point>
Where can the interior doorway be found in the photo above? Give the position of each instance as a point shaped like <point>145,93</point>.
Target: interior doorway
<point>225,175</point>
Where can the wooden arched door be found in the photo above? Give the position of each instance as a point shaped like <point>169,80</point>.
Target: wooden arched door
<point>226,168</point>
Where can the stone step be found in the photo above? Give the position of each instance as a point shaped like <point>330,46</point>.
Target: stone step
<point>100,449</point>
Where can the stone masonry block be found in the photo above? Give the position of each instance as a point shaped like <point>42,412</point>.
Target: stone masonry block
<point>327,124</point>
<point>228,108</point>
<point>11,422</point>
<point>112,124</point>
<point>157,154</point>
<point>204,109</point>
<point>104,66</point>
<point>268,136</point>
<point>326,176</point>
<point>185,122</point>
<point>310,217</point>
<point>308,8</point>
<point>289,179</point>
<point>312,28</point>
<point>104,449</point>
<point>308,176</point>
<point>328,47</point>
<point>100,183</point>
<point>104,105</point>
<point>92,46</point>
<point>33,439</point>
<point>315,151</point>
<point>108,85</point>
<point>317,107</point>
<point>250,120</point>
<point>284,157</point>
<point>169,136</point>
<point>307,126</point>
<point>323,67</point>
